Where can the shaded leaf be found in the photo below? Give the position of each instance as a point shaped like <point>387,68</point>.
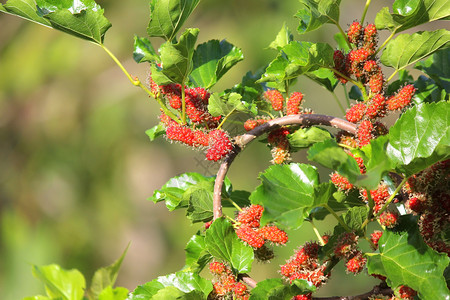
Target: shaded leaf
<point>283,38</point>
<point>405,259</point>
<point>355,216</point>
<point>437,67</point>
<point>60,283</point>
<point>316,13</point>
<point>241,198</point>
<point>200,198</point>
<point>197,255</point>
<point>408,14</point>
<point>287,193</point>
<point>155,132</point>
<point>330,155</point>
<point>355,93</point>
<point>144,51</point>
<point>276,288</point>
<point>222,105</point>
<point>305,137</point>
<point>339,201</point>
<point>167,17</point>
<point>248,88</point>
<point>172,192</point>
<point>211,60</point>
<point>324,77</point>
<point>177,58</point>
<point>223,243</point>
<point>407,49</point>
<point>428,91</point>
<point>298,58</point>
<point>420,137</point>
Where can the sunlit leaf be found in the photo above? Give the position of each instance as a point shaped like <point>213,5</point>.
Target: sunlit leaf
<point>405,259</point>
<point>211,60</point>
<point>283,38</point>
<point>168,16</point>
<point>305,137</point>
<point>223,243</point>
<point>109,293</point>
<point>197,255</point>
<point>316,13</point>
<point>408,49</point>
<point>275,288</point>
<point>408,14</point>
<point>144,51</point>
<point>155,132</point>
<point>222,105</point>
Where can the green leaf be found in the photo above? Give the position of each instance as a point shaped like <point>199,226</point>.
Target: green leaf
<point>144,51</point>
<point>38,297</point>
<point>305,137</point>
<point>405,259</point>
<point>241,198</point>
<point>330,155</point>
<point>177,58</point>
<point>355,216</point>
<point>171,292</point>
<point>187,282</point>
<point>437,67</point>
<point>146,291</point>
<point>283,38</point>
<point>316,13</point>
<point>324,77</point>
<point>211,60</point>
<point>223,243</point>
<point>404,78</point>
<point>155,132</point>
<point>275,288</point>
<point>83,18</point>
<point>408,14</point>
<point>287,193</point>
<point>249,89</point>
<point>341,40</point>
<point>420,137</point>
<point>167,17</point>
<point>355,93</point>
<point>428,91</point>
<point>408,49</point>
<point>298,58</point>
<point>340,201</point>
<point>25,9</point>
<point>200,197</point>
<point>119,293</point>
<point>60,283</point>
<point>106,277</point>
<point>197,255</point>
<point>222,105</point>
<point>172,192</point>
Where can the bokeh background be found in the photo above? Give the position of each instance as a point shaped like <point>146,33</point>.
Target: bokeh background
<point>76,167</point>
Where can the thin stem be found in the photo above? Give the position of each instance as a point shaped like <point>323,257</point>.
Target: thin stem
<point>346,146</point>
<point>337,218</point>
<point>385,42</point>
<point>338,102</point>
<point>389,200</point>
<point>370,242</point>
<point>138,83</point>
<point>392,75</point>
<point>371,205</point>
<point>365,11</point>
<point>225,118</point>
<point>234,204</point>
<point>357,83</point>
<point>319,236</point>
<point>343,34</point>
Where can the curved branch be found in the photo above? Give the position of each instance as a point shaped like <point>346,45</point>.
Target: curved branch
<point>242,140</point>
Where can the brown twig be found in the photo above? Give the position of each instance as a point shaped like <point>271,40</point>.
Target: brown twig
<point>381,289</point>
<point>242,140</point>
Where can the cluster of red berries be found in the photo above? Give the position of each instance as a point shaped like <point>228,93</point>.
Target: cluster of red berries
<point>280,145</point>
<point>276,99</point>
<point>200,130</point>
<point>249,230</point>
<point>225,283</point>
<point>346,248</point>
<point>428,196</point>
<point>304,264</point>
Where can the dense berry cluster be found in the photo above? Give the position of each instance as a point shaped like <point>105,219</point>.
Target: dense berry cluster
<point>304,264</point>
<point>429,197</point>
<point>249,230</point>
<point>225,283</point>
<point>280,145</point>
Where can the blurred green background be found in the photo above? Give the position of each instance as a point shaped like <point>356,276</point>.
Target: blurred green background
<point>76,166</point>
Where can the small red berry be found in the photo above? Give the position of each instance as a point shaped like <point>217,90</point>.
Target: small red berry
<point>376,82</point>
<point>356,112</point>
<point>375,237</point>
<point>273,234</point>
<point>340,65</point>
<point>402,98</point>
<point>388,219</point>
<point>376,107</point>
<point>219,145</point>
<point>217,268</point>
<point>250,215</point>
<point>354,32</point>
<point>365,132</point>
<point>250,124</point>
<point>293,103</point>
<point>341,182</point>
<point>356,264</point>
<point>303,297</point>
<point>275,98</point>
<point>240,289</point>
<point>250,236</point>
<point>406,292</point>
